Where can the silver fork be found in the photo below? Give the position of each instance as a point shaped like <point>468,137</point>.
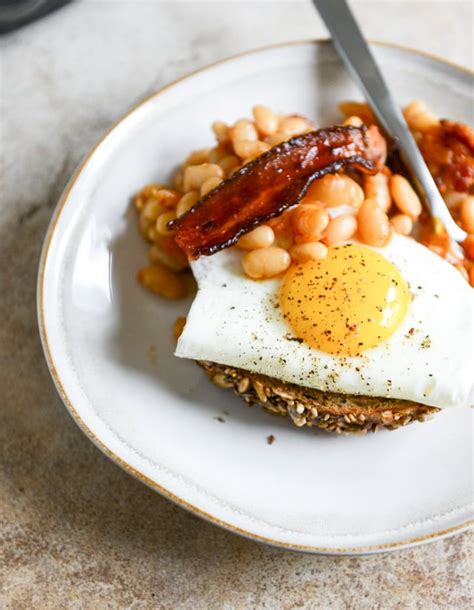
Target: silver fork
<point>355,53</point>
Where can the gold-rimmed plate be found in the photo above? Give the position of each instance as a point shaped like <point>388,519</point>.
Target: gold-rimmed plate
<point>109,344</point>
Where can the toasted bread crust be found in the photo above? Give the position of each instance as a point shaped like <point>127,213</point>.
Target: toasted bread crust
<point>313,408</point>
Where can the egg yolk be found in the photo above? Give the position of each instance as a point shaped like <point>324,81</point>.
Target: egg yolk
<point>349,302</point>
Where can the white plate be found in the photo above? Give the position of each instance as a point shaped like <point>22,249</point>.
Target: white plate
<point>109,343</point>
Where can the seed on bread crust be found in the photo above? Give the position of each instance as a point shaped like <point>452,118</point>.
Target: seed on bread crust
<point>313,408</point>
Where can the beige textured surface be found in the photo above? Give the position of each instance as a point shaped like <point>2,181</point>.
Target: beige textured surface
<point>76,531</point>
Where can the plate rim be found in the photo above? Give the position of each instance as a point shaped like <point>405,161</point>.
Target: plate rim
<point>74,413</point>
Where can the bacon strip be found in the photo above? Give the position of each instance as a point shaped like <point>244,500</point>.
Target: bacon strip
<point>265,187</point>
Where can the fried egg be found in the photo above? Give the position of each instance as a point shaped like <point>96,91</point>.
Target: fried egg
<point>395,322</point>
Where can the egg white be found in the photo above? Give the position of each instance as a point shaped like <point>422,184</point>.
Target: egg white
<point>236,321</point>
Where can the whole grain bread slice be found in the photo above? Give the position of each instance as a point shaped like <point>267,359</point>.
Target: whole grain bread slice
<point>332,412</point>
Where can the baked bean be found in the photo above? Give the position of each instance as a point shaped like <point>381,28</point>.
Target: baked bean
<point>311,251</point>
<point>468,245</point>
<point>209,185</point>
<point>360,109</point>
<point>466,212</point>
<point>244,148</point>
<point>175,259</point>
<point>453,199</point>
<point>195,175</point>
<point>261,237</point>
<point>243,130</point>
<point>376,188</point>
<point>419,117</point>
<point>340,229</point>
<point>353,121</point>
<point>229,163</point>
<point>309,222</point>
<point>266,262</point>
<point>278,138</point>
<point>334,190</point>
<point>148,192</point>
<point>162,223</point>
<point>283,222</point>
<point>402,224</point>
<point>168,198</point>
<point>294,126</point>
<point>377,145</point>
<point>152,209</point>
<point>249,149</point>
<point>283,228</point>
<point>373,223</point>
<point>221,131</point>
<point>266,120</point>
<point>178,327</point>
<point>144,225</point>
<point>154,251</point>
<point>186,202</point>
<point>178,181</point>
<point>162,281</point>
<point>406,200</point>
<point>260,148</point>
<point>153,236</point>
<point>167,244</point>
<point>197,157</point>
<point>216,154</point>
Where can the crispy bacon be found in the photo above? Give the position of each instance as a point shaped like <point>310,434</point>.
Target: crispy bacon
<point>265,187</point>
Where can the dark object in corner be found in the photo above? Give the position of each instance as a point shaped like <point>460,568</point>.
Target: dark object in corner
<point>16,13</point>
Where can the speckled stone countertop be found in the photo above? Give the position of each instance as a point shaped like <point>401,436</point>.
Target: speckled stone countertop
<point>76,531</point>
